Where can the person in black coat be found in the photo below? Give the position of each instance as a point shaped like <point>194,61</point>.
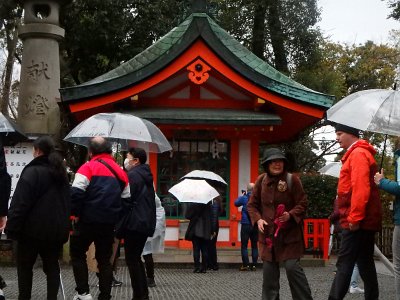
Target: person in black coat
<point>212,263</point>
<point>141,223</point>
<point>199,232</point>
<point>5,190</point>
<point>38,218</point>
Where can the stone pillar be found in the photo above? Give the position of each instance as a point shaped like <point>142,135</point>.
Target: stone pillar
<point>38,111</point>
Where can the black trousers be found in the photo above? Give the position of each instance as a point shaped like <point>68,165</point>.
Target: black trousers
<point>149,264</point>
<point>212,262</point>
<point>134,244</point>
<point>356,247</point>
<point>200,246</point>
<point>103,237</point>
<point>28,250</point>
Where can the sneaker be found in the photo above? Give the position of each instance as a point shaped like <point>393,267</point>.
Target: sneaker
<point>244,268</point>
<point>116,282</point>
<point>2,295</point>
<point>196,270</point>
<point>151,282</point>
<point>84,296</point>
<point>253,268</point>
<point>356,290</point>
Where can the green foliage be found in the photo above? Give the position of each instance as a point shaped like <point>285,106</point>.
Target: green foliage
<point>321,192</point>
<point>98,38</point>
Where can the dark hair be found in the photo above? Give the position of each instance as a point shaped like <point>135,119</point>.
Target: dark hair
<point>56,161</point>
<point>98,146</point>
<point>139,153</point>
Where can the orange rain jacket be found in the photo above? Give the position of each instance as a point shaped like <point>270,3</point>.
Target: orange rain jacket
<point>358,196</point>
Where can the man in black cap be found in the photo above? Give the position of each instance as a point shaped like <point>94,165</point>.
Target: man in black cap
<point>360,213</point>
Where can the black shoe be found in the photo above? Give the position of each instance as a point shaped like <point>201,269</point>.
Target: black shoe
<point>203,270</point>
<point>151,282</point>
<point>3,284</point>
<point>196,270</point>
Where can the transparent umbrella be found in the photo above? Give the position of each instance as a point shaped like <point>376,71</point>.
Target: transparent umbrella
<point>375,110</point>
<point>331,169</point>
<point>194,191</point>
<point>126,130</point>
<point>10,132</point>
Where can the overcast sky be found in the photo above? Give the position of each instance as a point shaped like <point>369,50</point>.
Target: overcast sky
<point>356,21</point>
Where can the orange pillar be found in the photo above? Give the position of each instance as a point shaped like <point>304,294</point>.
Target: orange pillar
<point>153,160</point>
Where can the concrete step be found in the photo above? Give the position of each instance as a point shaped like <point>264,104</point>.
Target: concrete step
<point>227,258</point>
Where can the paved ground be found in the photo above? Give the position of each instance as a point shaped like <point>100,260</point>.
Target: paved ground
<point>173,283</point>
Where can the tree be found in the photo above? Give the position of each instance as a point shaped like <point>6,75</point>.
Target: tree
<point>98,38</point>
<point>10,19</point>
<point>279,31</point>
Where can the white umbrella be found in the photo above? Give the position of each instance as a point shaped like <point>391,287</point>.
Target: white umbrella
<point>126,130</point>
<point>202,174</point>
<point>375,110</point>
<point>331,169</point>
<point>193,190</point>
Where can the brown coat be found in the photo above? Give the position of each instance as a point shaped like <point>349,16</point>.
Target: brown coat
<point>289,244</point>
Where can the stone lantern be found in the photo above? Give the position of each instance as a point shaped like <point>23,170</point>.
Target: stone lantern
<point>38,111</point>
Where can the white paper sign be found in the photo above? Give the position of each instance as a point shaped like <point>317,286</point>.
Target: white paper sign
<point>17,157</point>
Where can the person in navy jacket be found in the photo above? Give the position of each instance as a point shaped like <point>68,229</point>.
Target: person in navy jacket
<point>247,232</point>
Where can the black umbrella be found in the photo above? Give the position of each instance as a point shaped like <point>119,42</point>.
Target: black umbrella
<point>10,134</point>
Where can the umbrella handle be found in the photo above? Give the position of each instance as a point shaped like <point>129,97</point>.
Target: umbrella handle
<point>383,153</point>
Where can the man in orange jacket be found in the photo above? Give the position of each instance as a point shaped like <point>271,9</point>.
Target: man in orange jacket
<point>360,213</point>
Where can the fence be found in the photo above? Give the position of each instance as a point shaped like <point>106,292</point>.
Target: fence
<point>383,240</point>
<point>316,237</point>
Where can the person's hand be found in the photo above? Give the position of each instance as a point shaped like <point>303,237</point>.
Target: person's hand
<point>260,224</point>
<point>3,222</point>
<point>379,176</point>
<point>285,217</point>
<point>354,227</point>
<point>213,235</point>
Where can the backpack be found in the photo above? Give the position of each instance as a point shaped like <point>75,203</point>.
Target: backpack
<point>141,213</point>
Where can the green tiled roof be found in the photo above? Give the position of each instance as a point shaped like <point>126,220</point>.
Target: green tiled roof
<point>206,116</point>
<point>169,47</point>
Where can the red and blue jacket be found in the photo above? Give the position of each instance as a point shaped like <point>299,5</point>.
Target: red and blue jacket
<point>96,193</point>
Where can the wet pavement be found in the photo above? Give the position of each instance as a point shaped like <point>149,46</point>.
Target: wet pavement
<point>180,282</point>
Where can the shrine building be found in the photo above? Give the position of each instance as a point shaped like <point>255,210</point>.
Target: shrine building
<point>214,100</point>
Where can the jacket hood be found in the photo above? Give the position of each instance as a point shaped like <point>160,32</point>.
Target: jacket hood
<point>144,170</point>
<point>359,144</point>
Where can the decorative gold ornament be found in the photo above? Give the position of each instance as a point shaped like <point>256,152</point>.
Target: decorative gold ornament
<point>282,186</point>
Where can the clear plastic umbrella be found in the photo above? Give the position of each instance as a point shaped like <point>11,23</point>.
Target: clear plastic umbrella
<point>126,130</point>
<point>10,132</point>
<point>375,110</point>
<point>202,174</point>
<point>194,191</point>
<point>331,169</point>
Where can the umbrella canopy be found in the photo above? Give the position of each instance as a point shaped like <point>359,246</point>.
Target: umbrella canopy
<point>127,130</point>
<point>375,110</point>
<point>193,190</point>
<point>10,132</point>
<point>201,174</point>
<point>331,169</point>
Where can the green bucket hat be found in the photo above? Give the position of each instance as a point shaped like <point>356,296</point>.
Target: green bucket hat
<point>271,154</point>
